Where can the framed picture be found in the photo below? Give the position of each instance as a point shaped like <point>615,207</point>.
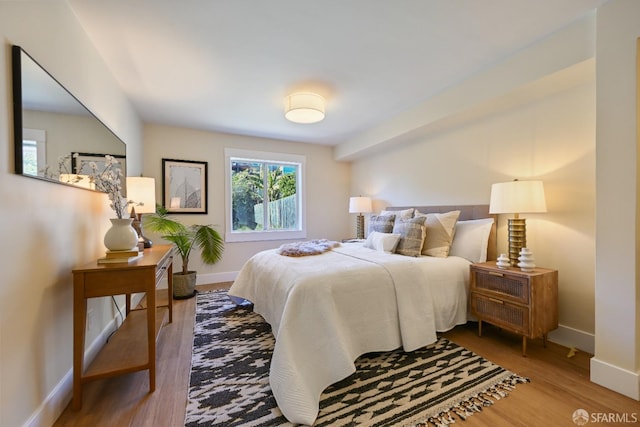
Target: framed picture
<point>184,186</point>
<point>85,158</point>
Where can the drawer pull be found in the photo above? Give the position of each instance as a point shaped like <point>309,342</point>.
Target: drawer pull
<point>495,273</point>
<point>497,301</point>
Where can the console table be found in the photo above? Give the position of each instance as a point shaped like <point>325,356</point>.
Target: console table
<point>127,350</point>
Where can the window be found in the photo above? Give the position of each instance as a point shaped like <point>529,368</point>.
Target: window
<point>33,152</point>
<point>264,197</point>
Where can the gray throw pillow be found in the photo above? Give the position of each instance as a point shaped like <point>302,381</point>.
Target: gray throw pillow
<point>412,233</point>
<point>381,223</point>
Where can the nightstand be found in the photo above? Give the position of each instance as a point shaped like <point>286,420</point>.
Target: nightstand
<point>522,302</point>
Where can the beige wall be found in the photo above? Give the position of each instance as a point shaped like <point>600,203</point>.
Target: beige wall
<point>327,187</point>
<point>47,229</point>
<point>552,139</point>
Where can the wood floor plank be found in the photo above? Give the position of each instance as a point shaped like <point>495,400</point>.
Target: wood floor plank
<point>559,384</point>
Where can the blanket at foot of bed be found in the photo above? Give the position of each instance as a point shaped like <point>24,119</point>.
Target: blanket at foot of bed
<point>311,247</point>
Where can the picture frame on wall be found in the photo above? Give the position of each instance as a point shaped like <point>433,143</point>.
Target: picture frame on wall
<point>184,186</point>
<point>85,159</point>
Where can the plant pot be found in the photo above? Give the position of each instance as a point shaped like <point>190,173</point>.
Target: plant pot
<point>184,285</point>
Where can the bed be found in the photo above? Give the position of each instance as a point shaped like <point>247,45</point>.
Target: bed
<point>326,310</point>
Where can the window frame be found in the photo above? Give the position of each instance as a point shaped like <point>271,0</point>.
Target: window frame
<point>268,157</point>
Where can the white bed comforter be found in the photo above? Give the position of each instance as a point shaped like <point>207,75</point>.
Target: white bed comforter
<point>326,310</point>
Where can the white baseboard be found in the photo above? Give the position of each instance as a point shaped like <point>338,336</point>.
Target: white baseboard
<point>206,279</point>
<point>615,378</point>
<point>570,337</point>
<point>56,402</point>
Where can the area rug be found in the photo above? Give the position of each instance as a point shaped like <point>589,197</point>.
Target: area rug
<point>433,386</point>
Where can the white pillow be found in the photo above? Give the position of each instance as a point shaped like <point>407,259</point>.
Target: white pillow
<point>471,238</point>
<point>384,242</point>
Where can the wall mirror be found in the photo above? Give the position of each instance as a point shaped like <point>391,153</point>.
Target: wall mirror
<point>51,125</point>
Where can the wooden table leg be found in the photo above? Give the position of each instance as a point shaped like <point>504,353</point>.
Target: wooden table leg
<point>170,290</point>
<point>127,304</point>
<point>151,334</point>
<point>79,316</point>
<point>524,346</point>
<point>479,328</point>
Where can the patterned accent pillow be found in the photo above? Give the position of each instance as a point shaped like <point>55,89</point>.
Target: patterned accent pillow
<point>381,223</point>
<point>404,214</point>
<point>412,236</point>
<point>440,228</point>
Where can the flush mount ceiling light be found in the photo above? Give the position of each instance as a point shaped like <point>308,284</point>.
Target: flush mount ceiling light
<point>304,107</point>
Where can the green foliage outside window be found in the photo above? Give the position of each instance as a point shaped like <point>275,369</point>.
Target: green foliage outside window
<point>249,196</point>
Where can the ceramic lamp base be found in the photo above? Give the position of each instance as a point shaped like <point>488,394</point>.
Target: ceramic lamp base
<point>360,227</point>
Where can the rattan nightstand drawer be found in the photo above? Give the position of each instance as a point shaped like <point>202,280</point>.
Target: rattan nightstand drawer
<point>501,313</point>
<point>503,284</point>
<point>522,302</point>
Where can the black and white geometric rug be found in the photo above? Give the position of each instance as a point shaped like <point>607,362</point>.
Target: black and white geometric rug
<point>229,384</point>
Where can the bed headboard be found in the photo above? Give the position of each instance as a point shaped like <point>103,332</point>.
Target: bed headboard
<point>467,212</point>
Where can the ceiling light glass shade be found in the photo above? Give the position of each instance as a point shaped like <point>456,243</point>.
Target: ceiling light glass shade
<point>517,197</point>
<point>142,191</point>
<point>360,205</point>
<point>304,107</point>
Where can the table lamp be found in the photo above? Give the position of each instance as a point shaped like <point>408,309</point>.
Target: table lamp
<point>360,205</point>
<point>516,197</point>
<point>141,191</point>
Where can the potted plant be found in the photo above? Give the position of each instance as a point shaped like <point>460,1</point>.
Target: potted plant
<point>185,238</point>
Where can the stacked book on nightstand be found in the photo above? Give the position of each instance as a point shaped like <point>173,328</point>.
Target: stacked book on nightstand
<point>113,257</point>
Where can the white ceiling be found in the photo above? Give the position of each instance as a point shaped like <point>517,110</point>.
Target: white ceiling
<point>227,65</point>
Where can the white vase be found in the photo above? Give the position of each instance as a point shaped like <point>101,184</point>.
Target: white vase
<point>121,236</point>
<point>526,260</point>
<point>503,261</point>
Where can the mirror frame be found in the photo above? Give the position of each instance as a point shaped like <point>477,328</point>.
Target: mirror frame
<point>18,130</point>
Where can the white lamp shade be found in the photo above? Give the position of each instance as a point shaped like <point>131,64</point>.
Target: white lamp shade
<point>304,107</point>
<point>517,197</point>
<point>359,205</point>
<point>142,191</point>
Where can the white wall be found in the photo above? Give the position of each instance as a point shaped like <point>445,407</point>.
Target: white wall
<point>530,116</point>
<point>327,187</point>
<point>610,326</point>
<point>617,357</point>
<point>48,229</point>
<point>552,139</point>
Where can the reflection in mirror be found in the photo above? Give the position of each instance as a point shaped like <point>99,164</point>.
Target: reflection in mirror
<point>50,125</point>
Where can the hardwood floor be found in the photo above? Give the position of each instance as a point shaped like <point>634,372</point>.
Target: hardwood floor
<point>559,384</point>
